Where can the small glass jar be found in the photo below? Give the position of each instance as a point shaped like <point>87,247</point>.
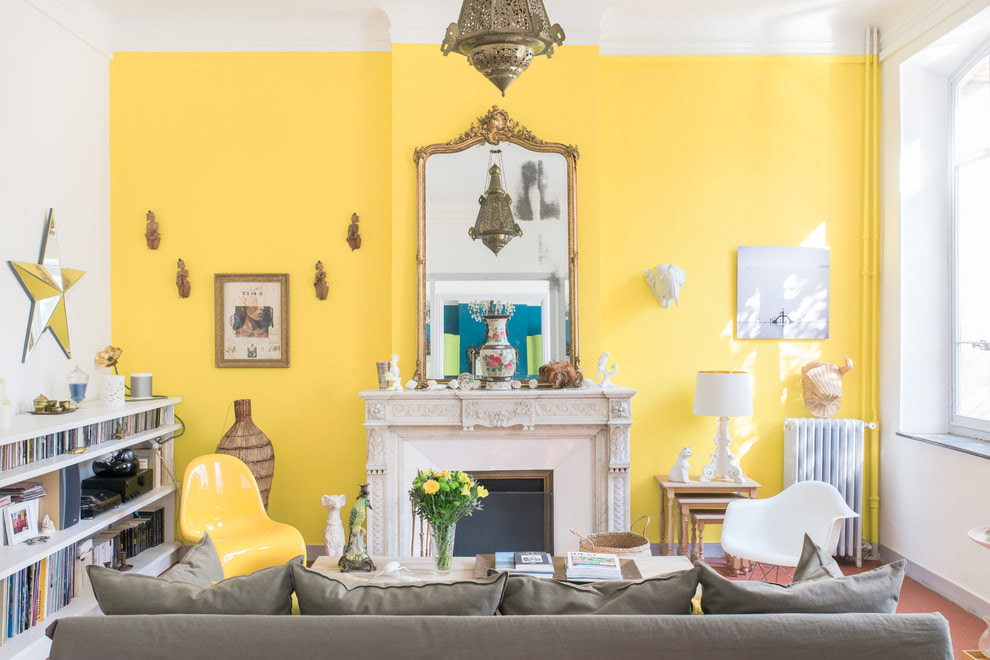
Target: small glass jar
<point>78,380</point>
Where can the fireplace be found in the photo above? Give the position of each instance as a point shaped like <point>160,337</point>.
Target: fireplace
<point>580,435</point>
<point>516,515</point>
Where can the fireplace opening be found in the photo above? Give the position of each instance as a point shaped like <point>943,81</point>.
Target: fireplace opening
<point>517,514</point>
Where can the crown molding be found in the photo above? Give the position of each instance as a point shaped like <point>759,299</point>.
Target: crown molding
<point>82,21</point>
<point>933,20</point>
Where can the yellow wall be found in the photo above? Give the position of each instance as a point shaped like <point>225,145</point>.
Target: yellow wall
<point>254,163</point>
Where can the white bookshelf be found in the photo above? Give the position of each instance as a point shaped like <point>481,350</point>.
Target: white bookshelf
<point>33,643</point>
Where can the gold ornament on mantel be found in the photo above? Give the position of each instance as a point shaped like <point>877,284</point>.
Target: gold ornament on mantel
<point>247,442</point>
<point>821,384</point>
<point>501,37</point>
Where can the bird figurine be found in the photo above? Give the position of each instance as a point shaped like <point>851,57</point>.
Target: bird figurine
<point>355,556</point>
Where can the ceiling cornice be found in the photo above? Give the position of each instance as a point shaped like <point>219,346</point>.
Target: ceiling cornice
<point>83,20</point>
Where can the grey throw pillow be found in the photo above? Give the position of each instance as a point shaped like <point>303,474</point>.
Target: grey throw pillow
<point>666,594</point>
<point>267,591</point>
<point>815,564</point>
<point>199,566</point>
<point>872,591</point>
<point>320,594</point>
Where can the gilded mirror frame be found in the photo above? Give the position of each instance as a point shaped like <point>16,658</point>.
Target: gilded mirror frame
<point>494,127</point>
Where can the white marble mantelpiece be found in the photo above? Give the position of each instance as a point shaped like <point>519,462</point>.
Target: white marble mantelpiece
<point>581,434</point>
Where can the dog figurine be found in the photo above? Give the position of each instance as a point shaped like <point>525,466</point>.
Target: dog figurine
<point>333,536</point>
<point>682,468</point>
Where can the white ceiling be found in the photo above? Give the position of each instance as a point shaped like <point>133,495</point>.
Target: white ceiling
<point>617,26</point>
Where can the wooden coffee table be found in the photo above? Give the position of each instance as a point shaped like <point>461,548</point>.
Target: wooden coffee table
<point>462,568</point>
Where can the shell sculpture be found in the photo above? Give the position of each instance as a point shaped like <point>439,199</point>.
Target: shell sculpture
<point>821,383</point>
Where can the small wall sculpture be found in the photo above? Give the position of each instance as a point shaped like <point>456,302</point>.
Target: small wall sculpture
<point>666,281</point>
<point>151,234</point>
<point>353,237</point>
<point>320,282</point>
<point>182,279</point>
<point>821,384</point>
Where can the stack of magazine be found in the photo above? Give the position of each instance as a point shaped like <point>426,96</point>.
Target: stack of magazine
<point>591,566</point>
<point>536,564</point>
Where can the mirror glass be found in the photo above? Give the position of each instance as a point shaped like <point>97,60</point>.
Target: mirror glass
<point>535,271</point>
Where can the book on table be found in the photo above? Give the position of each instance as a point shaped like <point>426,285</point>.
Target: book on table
<point>590,566</point>
<point>537,564</point>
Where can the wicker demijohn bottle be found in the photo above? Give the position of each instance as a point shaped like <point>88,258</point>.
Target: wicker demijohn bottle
<point>247,442</point>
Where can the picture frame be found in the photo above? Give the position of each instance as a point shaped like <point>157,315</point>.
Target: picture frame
<point>20,520</point>
<point>782,292</point>
<point>251,335</point>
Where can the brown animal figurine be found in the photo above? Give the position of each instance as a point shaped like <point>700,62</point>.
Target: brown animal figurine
<point>560,374</point>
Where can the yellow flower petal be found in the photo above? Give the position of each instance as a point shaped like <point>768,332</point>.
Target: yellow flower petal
<point>431,486</point>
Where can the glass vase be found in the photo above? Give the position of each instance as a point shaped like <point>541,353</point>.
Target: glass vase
<point>498,358</point>
<point>443,545</point>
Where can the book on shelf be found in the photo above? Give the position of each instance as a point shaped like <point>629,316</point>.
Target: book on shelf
<point>591,566</point>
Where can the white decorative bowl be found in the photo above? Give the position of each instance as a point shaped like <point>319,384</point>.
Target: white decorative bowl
<point>981,535</point>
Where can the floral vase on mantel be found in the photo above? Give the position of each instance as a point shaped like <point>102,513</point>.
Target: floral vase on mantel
<point>498,358</point>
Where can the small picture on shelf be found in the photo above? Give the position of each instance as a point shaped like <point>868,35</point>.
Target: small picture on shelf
<point>21,521</point>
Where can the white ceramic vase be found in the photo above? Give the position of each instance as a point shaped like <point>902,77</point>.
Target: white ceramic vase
<point>112,394</point>
<point>498,358</point>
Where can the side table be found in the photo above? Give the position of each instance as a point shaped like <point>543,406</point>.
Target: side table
<point>670,490</point>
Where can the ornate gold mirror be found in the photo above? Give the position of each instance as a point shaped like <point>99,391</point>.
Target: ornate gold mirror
<point>465,256</point>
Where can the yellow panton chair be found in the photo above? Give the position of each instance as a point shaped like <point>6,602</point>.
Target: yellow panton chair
<point>220,496</point>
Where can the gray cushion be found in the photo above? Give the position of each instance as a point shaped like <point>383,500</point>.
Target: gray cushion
<point>200,565</point>
<point>666,594</point>
<point>872,591</point>
<point>815,564</point>
<point>267,591</point>
<point>320,594</point>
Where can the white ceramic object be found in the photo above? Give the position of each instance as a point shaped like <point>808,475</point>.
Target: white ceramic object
<point>333,534</point>
<point>112,394</point>
<point>666,281</point>
<point>605,372</point>
<point>682,468</point>
<point>821,385</point>
<point>981,535</point>
<point>392,375</point>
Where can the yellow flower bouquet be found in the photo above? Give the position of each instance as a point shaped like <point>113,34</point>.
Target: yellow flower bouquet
<point>442,498</point>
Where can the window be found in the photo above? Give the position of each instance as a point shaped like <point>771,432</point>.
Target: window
<point>970,408</point>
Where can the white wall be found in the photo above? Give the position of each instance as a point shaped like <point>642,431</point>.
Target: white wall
<point>54,153</point>
<point>929,496</point>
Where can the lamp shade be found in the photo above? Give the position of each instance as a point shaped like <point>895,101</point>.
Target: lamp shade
<point>723,394</point>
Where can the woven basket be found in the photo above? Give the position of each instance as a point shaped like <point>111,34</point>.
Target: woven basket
<point>247,442</point>
<point>623,544</point>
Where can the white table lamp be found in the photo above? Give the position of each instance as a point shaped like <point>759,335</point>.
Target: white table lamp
<point>723,394</point>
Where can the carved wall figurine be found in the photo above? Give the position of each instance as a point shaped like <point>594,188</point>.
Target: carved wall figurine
<point>682,468</point>
<point>333,534</point>
<point>821,384</point>
<point>182,279</point>
<point>320,283</point>
<point>353,237</point>
<point>666,281</point>
<point>151,234</point>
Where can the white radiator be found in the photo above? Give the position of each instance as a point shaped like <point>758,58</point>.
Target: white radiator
<point>830,450</point>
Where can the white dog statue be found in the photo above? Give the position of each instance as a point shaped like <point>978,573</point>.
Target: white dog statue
<point>682,468</point>
<point>666,281</point>
<point>333,535</point>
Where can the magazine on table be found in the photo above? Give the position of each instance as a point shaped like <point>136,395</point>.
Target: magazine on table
<point>526,565</point>
<point>593,566</point>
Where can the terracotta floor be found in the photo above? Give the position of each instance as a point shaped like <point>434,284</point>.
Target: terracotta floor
<point>963,626</point>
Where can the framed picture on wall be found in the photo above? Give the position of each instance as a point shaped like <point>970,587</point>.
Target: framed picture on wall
<point>20,521</point>
<point>782,293</point>
<point>251,319</point>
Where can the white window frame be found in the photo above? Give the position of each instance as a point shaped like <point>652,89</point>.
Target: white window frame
<point>960,424</point>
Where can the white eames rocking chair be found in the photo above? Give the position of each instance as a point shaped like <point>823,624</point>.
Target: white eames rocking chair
<point>770,532</point>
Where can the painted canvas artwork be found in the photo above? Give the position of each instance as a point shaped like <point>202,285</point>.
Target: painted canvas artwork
<point>782,293</point>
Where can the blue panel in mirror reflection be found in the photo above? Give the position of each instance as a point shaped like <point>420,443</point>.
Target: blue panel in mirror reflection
<point>461,332</point>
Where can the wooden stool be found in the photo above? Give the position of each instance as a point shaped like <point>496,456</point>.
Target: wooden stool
<point>700,518</point>
<point>686,503</point>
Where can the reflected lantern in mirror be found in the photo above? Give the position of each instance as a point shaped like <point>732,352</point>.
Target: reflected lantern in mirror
<point>501,37</point>
<point>495,225</point>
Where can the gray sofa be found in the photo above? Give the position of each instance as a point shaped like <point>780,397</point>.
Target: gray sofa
<point>688,637</point>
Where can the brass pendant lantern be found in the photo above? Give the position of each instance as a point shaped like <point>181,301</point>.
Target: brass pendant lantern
<point>495,225</point>
<point>500,37</point>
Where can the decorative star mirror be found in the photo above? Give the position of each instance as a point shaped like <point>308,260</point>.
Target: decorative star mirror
<point>497,222</point>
